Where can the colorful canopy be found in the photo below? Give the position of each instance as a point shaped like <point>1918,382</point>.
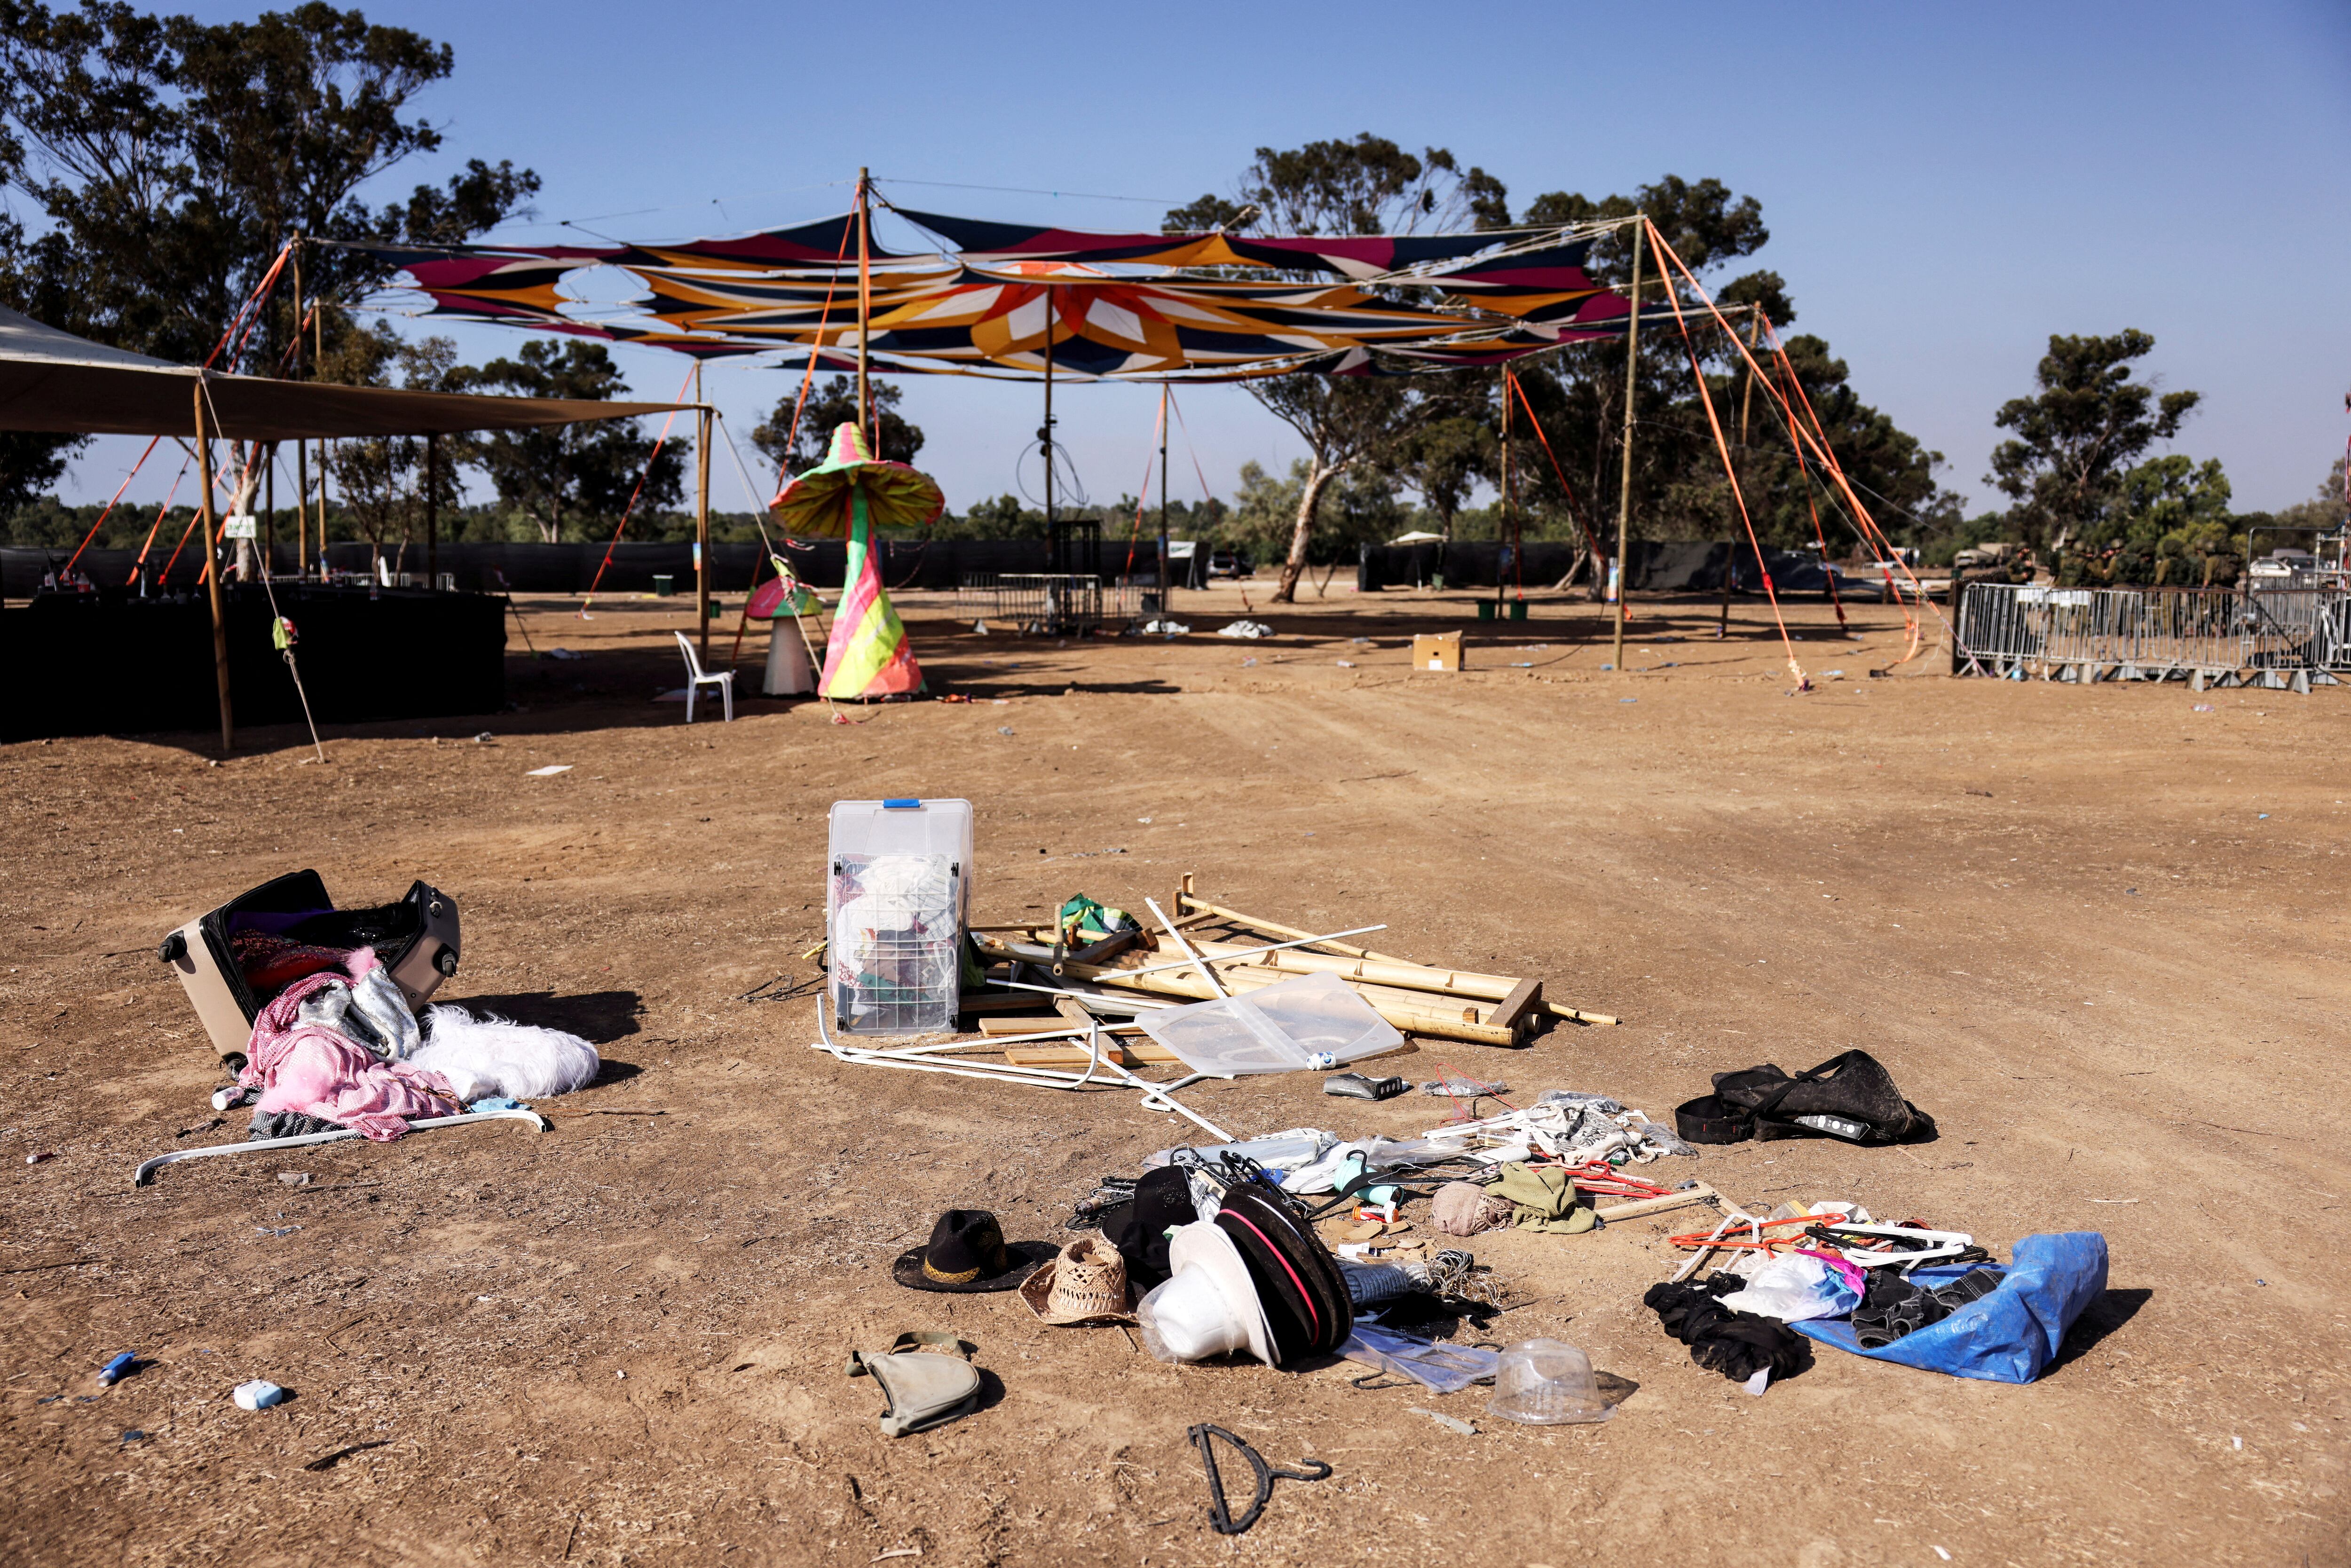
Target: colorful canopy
<point>1011,296</point>
<point>849,485</point>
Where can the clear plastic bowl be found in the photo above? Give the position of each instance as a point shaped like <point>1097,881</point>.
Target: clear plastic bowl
<point>1546,1382</point>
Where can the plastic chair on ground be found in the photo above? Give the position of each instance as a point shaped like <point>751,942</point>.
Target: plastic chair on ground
<point>696,680</point>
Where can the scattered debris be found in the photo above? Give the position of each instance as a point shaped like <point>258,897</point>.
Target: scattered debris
<point>258,1395</point>
<point>1451,1423</point>
<point>1221,1515</point>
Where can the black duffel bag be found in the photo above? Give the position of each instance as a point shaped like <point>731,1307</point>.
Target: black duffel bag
<point>1850,1097</point>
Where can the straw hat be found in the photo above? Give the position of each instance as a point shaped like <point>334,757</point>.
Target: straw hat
<point>1209,1307</point>
<point>1085,1282</point>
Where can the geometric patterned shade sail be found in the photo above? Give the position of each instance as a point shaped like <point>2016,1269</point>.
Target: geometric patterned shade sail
<point>1007,297</point>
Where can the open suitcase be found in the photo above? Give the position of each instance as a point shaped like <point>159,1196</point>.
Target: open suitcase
<point>234,960</point>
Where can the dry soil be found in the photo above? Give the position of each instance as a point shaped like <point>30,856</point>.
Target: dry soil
<point>2097,933</point>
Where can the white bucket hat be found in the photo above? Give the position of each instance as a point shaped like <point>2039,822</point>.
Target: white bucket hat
<point>1210,1306</point>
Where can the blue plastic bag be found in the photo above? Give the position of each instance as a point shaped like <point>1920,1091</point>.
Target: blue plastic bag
<point>1446,1368</point>
<point>2009,1336</point>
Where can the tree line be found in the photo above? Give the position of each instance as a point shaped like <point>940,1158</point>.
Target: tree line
<point>165,162</point>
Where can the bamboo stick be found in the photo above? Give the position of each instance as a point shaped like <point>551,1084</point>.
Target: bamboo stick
<point>1185,900</point>
<point>1634,1211</point>
<point>1387,972</point>
<point>1410,1016</point>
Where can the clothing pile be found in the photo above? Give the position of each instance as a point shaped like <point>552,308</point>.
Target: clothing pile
<point>1900,1292</point>
<point>339,1047</point>
<point>1745,1347</point>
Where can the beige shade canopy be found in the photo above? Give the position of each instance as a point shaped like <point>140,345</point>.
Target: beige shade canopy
<point>52,381</point>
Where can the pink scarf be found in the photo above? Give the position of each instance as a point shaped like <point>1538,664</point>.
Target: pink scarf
<point>316,1071</point>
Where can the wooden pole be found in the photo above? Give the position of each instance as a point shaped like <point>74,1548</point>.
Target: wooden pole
<point>212,569</point>
<point>1166,592</point>
<point>431,511</point>
<point>702,527</point>
<point>1624,484</point>
<point>1746,407</point>
<point>302,508</point>
<point>318,359</point>
<point>1507,494</point>
<point>1045,439</point>
<point>301,448</point>
<point>269,514</point>
<point>864,311</point>
<point>1188,903</point>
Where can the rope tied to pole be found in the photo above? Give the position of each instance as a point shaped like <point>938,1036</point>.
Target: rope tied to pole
<point>650,458</point>
<point>1730,469</point>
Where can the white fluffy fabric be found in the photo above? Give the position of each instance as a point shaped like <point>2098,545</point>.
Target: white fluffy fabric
<point>491,1055</point>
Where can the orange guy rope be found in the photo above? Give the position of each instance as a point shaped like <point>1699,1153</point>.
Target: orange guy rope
<point>1706,396</point>
<point>162,512</point>
<point>783,476</point>
<point>110,505</point>
<point>1820,448</point>
<point>1859,510</point>
<point>650,458</point>
<point>1574,508</point>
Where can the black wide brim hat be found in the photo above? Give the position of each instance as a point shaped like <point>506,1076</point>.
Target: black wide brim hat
<point>967,1254</point>
<point>1297,1281</point>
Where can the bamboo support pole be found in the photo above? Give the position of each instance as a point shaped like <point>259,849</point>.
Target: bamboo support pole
<point>1624,484</point>
<point>702,529</point>
<point>1395,971</point>
<point>1388,972</point>
<point>1410,1012</point>
<point>865,421</point>
<point>204,515</point>
<point>1187,903</point>
<point>432,511</point>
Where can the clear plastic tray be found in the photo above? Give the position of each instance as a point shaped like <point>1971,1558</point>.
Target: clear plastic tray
<point>1307,1024</point>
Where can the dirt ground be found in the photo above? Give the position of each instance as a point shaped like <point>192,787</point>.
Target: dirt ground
<point>2096,932</point>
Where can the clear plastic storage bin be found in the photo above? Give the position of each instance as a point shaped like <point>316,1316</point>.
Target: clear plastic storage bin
<point>1314,1022</point>
<point>896,902</point>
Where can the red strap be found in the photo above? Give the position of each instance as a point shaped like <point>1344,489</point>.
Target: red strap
<point>1303,1293</point>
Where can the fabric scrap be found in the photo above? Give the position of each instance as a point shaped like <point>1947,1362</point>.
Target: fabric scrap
<point>1544,1198</point>
<point>1466,1208</point>
<point>318,1071</point>
<point>1735,1343</point>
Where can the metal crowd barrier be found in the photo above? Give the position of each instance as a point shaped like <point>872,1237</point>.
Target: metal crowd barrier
<point>2278,637</point>
<point>1057,603</point>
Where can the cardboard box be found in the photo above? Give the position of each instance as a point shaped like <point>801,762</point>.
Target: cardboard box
<point>1441,650</point>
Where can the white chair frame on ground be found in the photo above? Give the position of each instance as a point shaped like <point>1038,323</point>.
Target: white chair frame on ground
<point>696,680</point>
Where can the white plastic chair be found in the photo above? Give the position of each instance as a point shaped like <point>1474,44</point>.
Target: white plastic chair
<point>696,680</point>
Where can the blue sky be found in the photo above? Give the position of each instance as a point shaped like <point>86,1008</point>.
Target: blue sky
<point>1946,185</point>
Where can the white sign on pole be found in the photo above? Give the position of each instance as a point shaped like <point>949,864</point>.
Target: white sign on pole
<point>239,526</point>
